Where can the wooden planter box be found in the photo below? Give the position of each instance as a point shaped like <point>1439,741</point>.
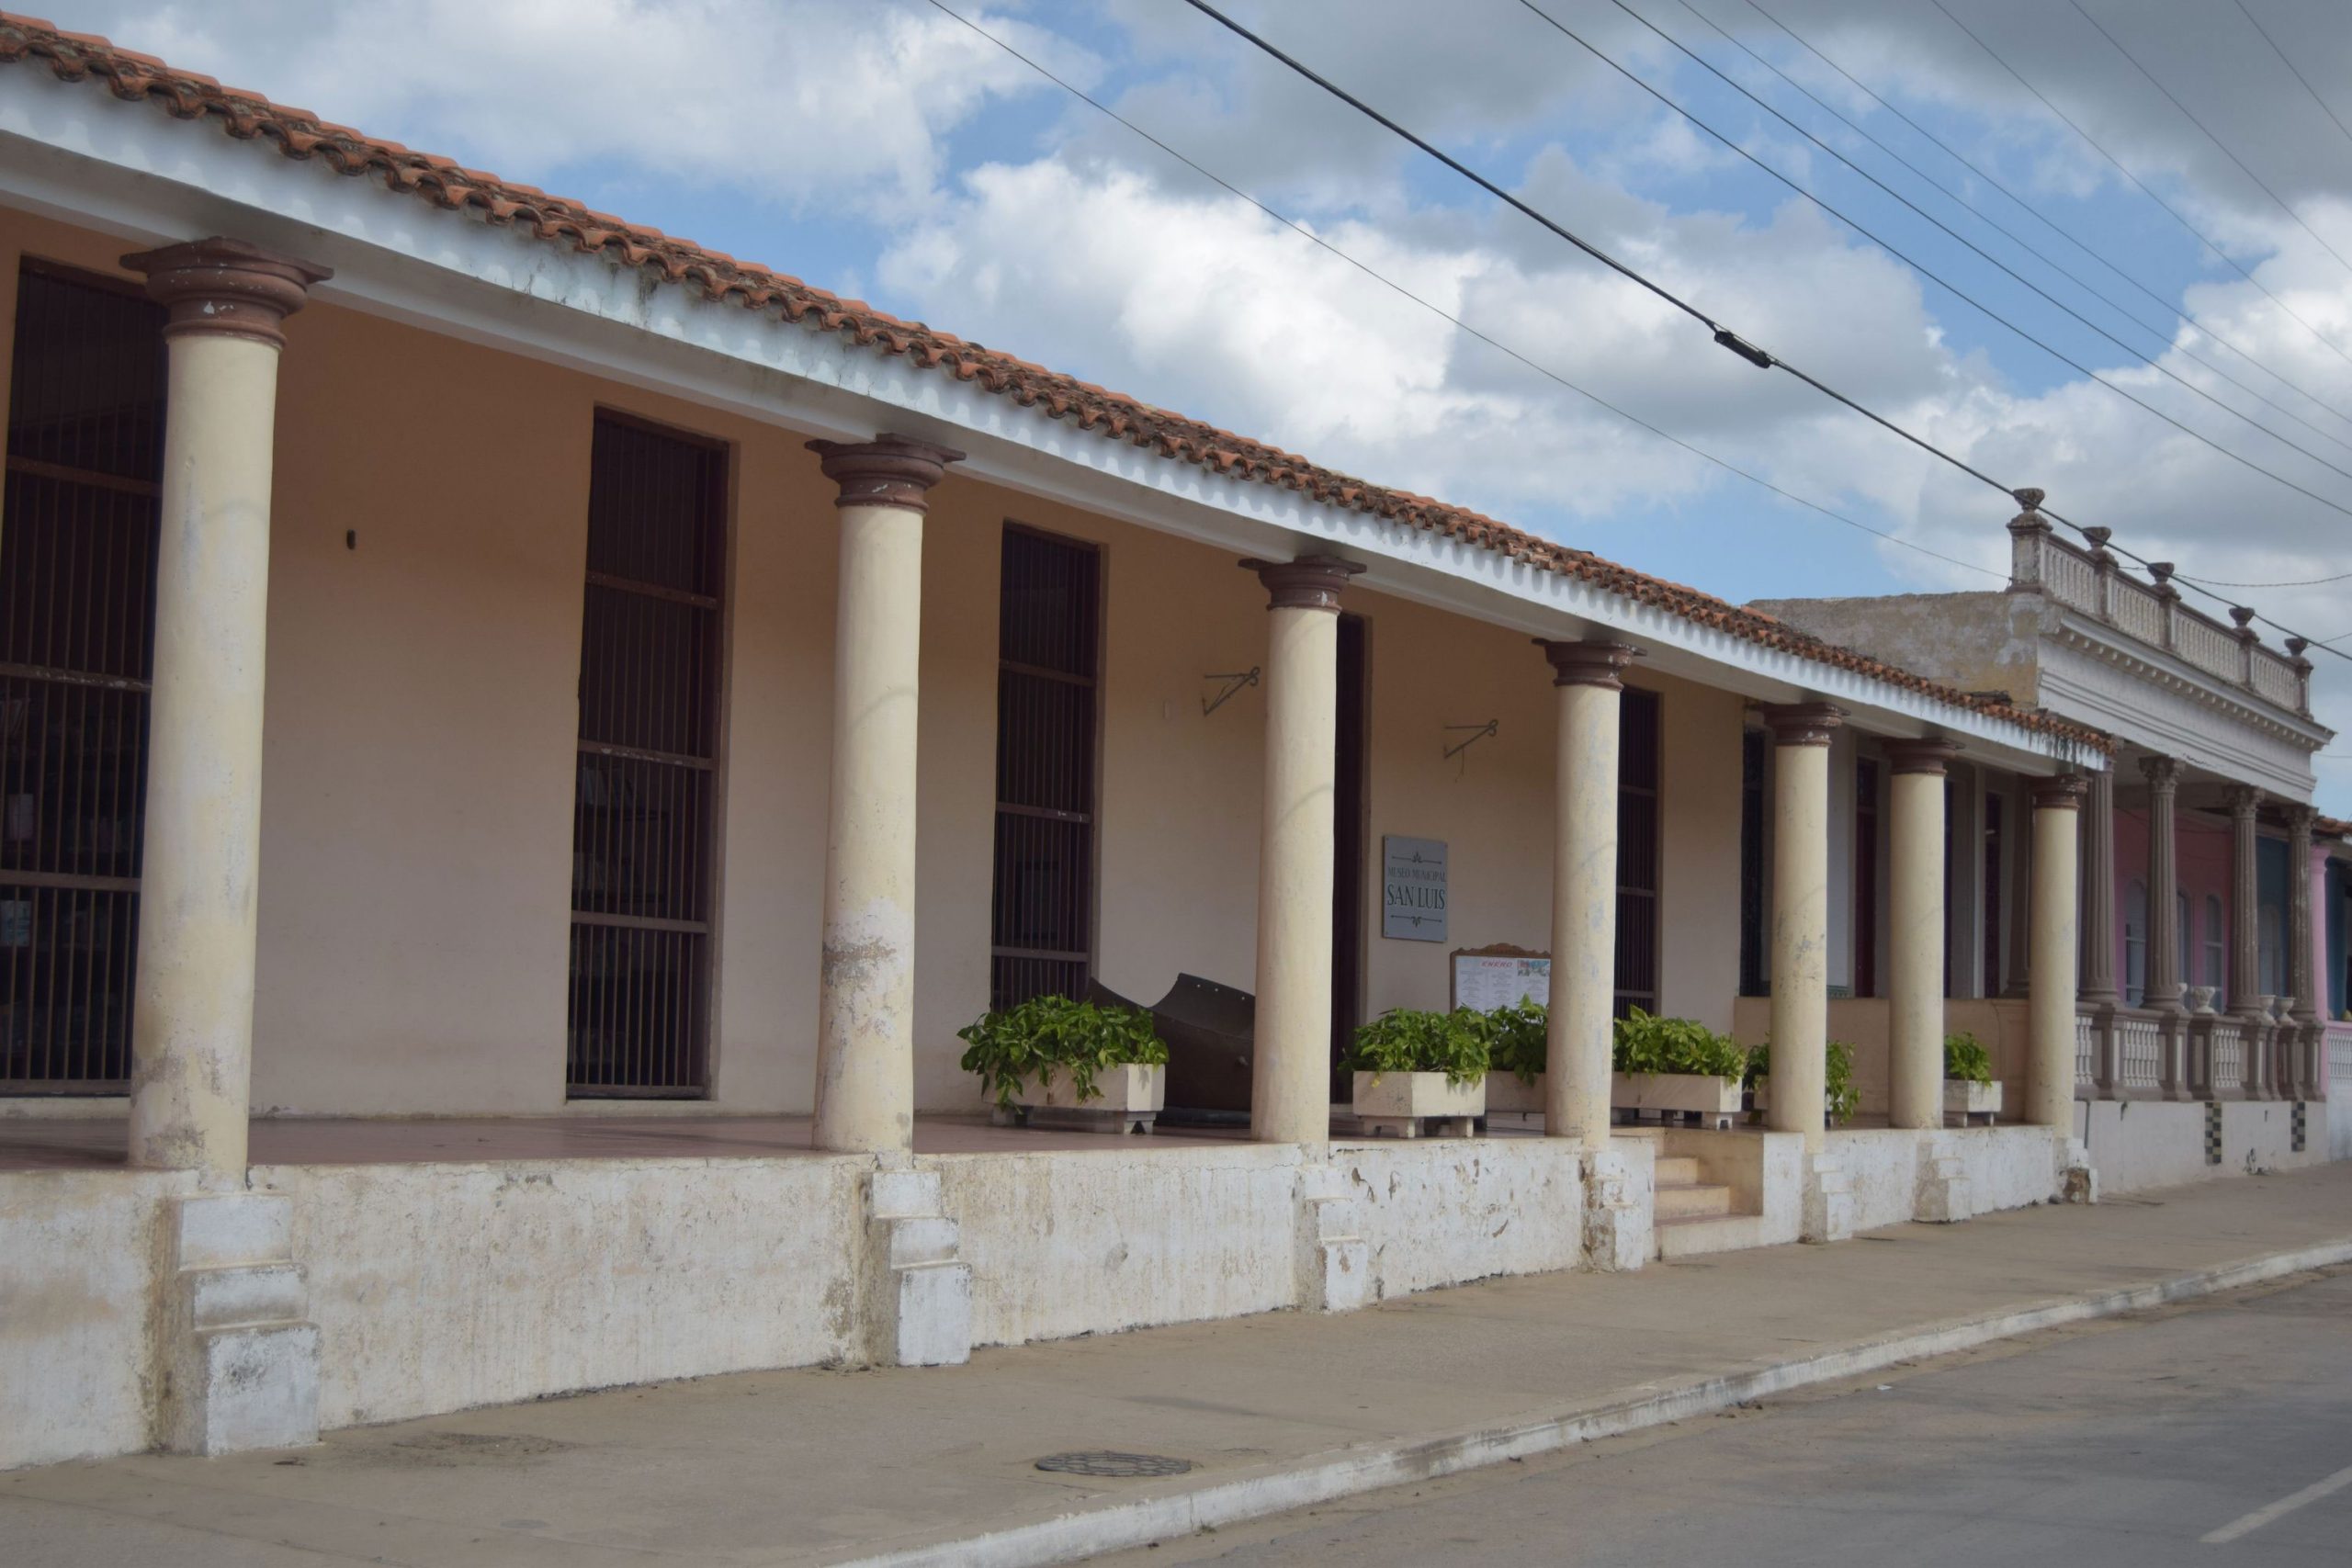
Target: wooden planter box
<point>1407,1105</point>
<point>1976,1104</point>
<point>1509,1091</point>
<point>1128,1098</point>
<point>1700,1097</point>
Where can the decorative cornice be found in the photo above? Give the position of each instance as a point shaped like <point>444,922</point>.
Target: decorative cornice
<point>2060,792</point>
<point>1588,663</point>
<point>1310,582</point>
<point>2212,690</point>
<point>1802,724</point>
<point>222,288</point>
<point>1921,756</point>
<point>889,470</point>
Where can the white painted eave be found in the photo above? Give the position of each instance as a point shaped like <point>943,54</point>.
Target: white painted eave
<point>74,152</point>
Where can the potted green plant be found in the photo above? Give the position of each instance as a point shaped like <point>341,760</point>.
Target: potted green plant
<point>1969,1092</point>
<point>1053,1061</point>
<point>1840,1098</point>
<point>1421,1071</point>
<point>1516,1043</point>
<point>1674,1064</point>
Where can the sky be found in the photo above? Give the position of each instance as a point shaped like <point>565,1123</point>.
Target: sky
<point>2200,264</point>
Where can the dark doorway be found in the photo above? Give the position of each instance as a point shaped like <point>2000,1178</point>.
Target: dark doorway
<point>1992,851</point>
<point>1349,824</point>
<point>77,632</point>
<point>1048,654</point>
<point>1753,752</point>
<point>642,810</point>
<point>1638,780</point>
<point>1866,877</point>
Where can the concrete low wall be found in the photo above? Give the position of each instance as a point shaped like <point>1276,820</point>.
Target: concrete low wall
<point>436,1287</point>
<point>1448,1211</point>
<point>2339,1120</point>
<point>79,1254</point>
<point>2007,1167</point>
<point>2137,1145</point>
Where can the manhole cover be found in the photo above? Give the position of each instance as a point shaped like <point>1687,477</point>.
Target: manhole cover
<point>1102,1462</point>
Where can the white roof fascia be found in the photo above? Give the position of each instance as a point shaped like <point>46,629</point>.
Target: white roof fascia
<point>74,152</point>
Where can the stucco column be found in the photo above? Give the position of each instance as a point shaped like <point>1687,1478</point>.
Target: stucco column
<point>1584,888</point>
<point>2245,899</point>
<point>2296,1070</point>
<point>1290,1091</point>
<point>2164,978</point>
<point>1800,914</point>
<point>1915,932</point>
<point>2050,1006</point>
<point>865,1026</point>
<point>2098,847</point>
<point>193,1009</point>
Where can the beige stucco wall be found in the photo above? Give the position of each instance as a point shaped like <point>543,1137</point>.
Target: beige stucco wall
<point>421,722</point>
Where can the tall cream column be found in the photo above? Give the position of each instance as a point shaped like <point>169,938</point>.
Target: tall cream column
<point>1915,932</point>
<point>2049,1005</point>
<point>1801,914</point>
<point>865,1071</point>
<point>1290,1098</point>
<point>193,1009</point>
<point>1584,888</point>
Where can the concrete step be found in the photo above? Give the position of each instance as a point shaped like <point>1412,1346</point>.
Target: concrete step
<point>1701,1233</point>
<point>1687,1200</point>
<point>1678,1170</point>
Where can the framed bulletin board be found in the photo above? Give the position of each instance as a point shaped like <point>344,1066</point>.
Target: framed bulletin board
<point>1490,978</point>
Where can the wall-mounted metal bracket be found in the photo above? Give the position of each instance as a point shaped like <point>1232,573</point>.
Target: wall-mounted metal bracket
<point>1233,684</point>
<point>1491,727</point>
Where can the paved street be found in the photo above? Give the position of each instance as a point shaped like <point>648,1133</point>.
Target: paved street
<point>2134,1441</point>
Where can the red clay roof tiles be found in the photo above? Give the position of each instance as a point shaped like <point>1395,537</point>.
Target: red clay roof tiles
<point>185,95</point>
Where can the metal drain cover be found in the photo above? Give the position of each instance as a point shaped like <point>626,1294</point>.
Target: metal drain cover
<point>1104,1461</point>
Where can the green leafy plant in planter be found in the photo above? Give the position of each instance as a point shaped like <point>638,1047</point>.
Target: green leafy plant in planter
<point>1641,1042</point>
<point>1517,1038</point>
<point>1007,1048</point>
<point>1404,1040</point>
<point>1965,1058</point>
<point>1842,1098</point>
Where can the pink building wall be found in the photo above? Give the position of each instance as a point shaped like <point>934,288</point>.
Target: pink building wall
<point>2201,855</point>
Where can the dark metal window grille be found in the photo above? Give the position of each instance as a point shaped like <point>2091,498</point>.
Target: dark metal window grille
<point>642,810</point>
<point>1637,851</point>
<point>1048,655</point>
<point>1866,877</point>
<point>78,625</point>
<point>1993,849</point>
<point>1753,753</point>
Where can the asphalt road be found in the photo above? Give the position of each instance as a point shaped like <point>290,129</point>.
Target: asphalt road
<point>2215,1433</point>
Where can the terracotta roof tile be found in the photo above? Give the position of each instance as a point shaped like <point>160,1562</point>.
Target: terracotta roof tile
<point>184,94</point>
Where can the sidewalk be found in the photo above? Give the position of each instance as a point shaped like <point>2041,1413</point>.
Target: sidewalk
<point>815,1467</point>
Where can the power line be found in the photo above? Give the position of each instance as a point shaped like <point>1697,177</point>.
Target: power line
<point>2064,359</point>
<point>1444,314</point>
<point>2295,582</point>
<point>2289,61</point>
<point>1962,199</point>
<point>2141,186</point>
<point>2216,141</point>
<point>1724,336</point>
<point>2178,310</point>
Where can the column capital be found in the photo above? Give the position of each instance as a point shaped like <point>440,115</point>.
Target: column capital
<point>2244,801</point>
<point>1802,724</point>
<point>2163,773</point>
<point>1310,582</point>
<point>1921,756</point>
<point>222,288</point>
<point>2301,818</point>
<point>889,470</point>
<point>1588,663</point>
<point>2060,792</point>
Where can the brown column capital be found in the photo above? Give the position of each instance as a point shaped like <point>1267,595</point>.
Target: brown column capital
<point>1310,582</point>
<point>1577,663</point>
<point>227,288</point>
<point>2244,801</point>
<point>889,470</point>
<point>2060,792</point>
<point>1921,756</point>
<point>1802,724</point>
<point>2163,773</point>
<point>2301,818</point>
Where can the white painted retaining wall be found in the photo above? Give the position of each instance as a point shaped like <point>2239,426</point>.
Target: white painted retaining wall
<point>1448,1211</point>
<point>2009,1168</point>
<point>2137,1145</point>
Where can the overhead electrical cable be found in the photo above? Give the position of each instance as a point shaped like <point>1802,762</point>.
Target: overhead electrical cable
<point>2178,310</point>
<point>2289,61</point>
<point>2143,186</point>
<point>1961,199</point>
<point>1722,335</point>
<point>2200,125</point>
<point>1923,270</point>
<point>1444,314</point>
